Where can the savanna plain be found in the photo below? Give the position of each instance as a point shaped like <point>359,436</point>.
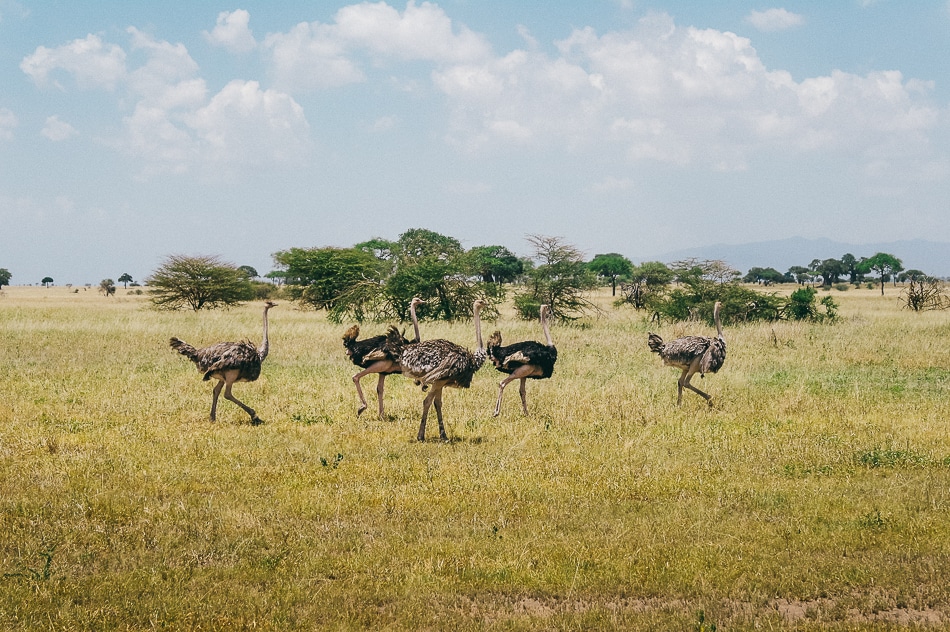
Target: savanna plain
<point>814,493</point>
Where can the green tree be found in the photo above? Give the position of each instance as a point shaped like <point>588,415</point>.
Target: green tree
<point>830,270</point>
<point>646,280</point>
<point>560,279</point>
<point>5,277</point>
<point>883,264</point>
<point>433,267</point>
<point>47,281</point>
<point>319,277</point>
<point>203,282</point>
<point>850,264</point>
<point>248,271</point>
<point>125,279</point>
<point>764,275</point>
<point>494,264</point>
<point>611,266</point>
<point>802,305</point>
<point>801,274</point>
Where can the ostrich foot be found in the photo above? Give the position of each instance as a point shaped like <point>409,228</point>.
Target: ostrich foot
<point>256,421</point>
<point>359,411</point>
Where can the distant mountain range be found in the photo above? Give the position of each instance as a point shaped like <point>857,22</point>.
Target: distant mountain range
<point>931,257</point>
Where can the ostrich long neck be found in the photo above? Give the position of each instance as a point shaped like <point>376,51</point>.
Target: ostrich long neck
<point>415,321</point>
<point>545,314</point>
<point>478,328</point>
<point>265,346</point>
<point>716,318</point>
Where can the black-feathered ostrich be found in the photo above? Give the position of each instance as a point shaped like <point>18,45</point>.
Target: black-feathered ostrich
<point>229,362</point>
<point>435,364</point>
<point>692,354</point>
<point>523,360</point>
<point>375,355</point>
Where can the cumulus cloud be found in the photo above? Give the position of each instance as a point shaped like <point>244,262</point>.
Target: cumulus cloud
<point>232,33</point>
<point>316,55</point>
<point>57,130</point>
<point>774,20</point>
<point>90,61</point>
<point>8,121</point>
<point>174,125</point>
<point>679,95</point>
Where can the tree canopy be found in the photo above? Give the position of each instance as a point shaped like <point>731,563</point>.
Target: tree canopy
<point>202,282</point>
<point>611,266</point>
<point>5,277</point>
<point>883,264</point>
<point>319,277</point>
<point>125,279</point>
<point>560,280</point>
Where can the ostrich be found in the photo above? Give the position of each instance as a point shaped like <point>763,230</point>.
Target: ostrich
<point>374,355</point>
<point>436,364</point>
<point>229,362</point>
<point>692,354</point>
<point>523,360</point>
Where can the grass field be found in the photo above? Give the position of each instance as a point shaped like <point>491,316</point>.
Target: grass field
<point>815,494</point>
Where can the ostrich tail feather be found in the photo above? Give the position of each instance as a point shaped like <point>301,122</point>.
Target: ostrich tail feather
<point>184,349</point>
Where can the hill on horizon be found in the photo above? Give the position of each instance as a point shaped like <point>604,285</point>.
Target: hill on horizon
<point>931,257</point>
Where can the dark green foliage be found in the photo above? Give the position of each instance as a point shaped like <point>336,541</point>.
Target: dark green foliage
<point>767,276</point>
<point>802,305</point>
<point>646,280</point>
<point>420,263</point>
<point>47,281</point>
<point>560,280</point>
<point>883,264</point>
<point>494,264</point>
<point>203,282</point>
<point>319,277</point>
<point>248,271</point>
<point>125,279</point>
<point>5,277</point>
<point>611,266</point>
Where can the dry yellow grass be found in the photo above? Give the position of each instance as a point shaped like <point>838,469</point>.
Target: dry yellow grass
<point>814,494</point>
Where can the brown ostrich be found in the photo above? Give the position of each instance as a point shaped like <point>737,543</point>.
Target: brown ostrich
<point>375,355</point>
<point>692,354</point>
<point>523,360</point>
<point>229,362</point>
<point>435,364</point>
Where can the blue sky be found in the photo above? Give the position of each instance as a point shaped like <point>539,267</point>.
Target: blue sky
<point>130,131</point>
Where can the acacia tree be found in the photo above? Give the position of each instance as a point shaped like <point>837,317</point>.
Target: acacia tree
<point>494,264</point>
<point>319,277</point>
<point>646,280</point>
<point>611,266</point>
<point>107,287</point>
<point>5,277</point>
<point>560,280</point>
<point>203,282</point>
<point>46,281</point>
<point>884,264</point>
<point>125,279</point>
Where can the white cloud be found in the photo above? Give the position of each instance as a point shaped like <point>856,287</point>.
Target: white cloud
<point>310,57</point>
<point>314,55</point>
<point>774,20</point>
<point>680,95</point>
<point>57,130</point>
<point>8,121</point>
<point>90,61</point>
<point>422,32</point>
<point>232,33</point>
<point>173,125</point>
<point>246,125</point>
